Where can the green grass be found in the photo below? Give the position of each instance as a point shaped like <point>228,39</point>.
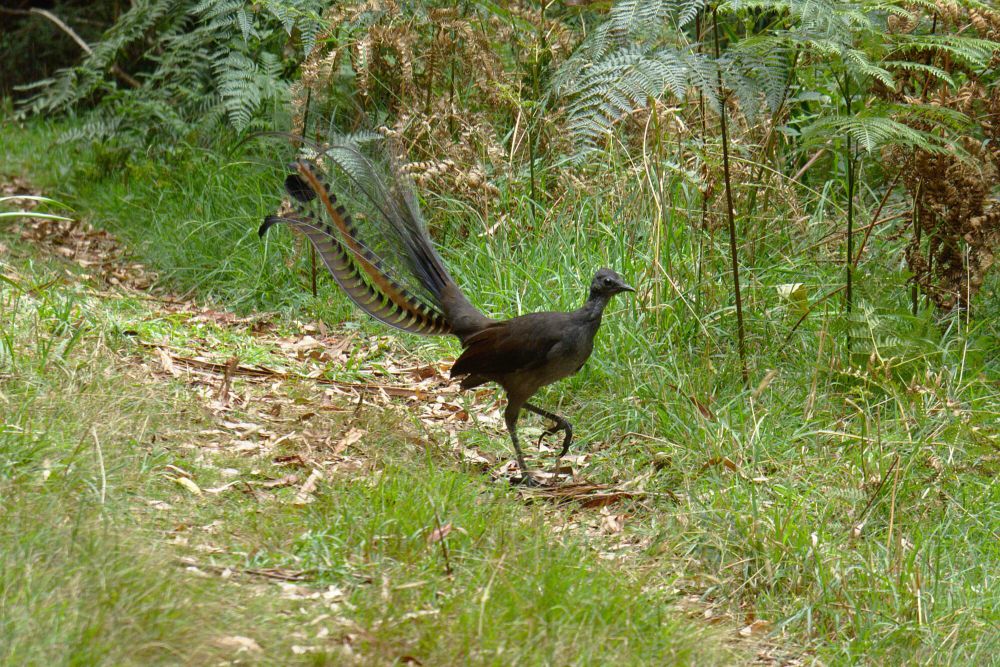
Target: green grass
<point>93,525</point>
<point>851,501</point>
<point>81,580</point>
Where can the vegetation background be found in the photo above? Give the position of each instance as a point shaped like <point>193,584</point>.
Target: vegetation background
<point>792,429</point>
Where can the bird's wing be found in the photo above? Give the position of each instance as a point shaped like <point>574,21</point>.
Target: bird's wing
<point>519,344</point>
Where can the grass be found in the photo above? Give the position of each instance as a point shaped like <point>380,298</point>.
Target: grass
<point>94,524</point>
<point>80,582</point>
<point>849,499</point>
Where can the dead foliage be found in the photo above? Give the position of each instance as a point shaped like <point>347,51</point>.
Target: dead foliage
<point>955,215</point>
<point>414,62</point>
<point>95,250</point>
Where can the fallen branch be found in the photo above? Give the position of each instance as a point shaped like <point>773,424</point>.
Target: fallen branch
<point>59,23</point>
<point>265,573</point>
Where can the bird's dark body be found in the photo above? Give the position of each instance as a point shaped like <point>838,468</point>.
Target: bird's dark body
<point>528,352</point>
<point>522,354</point>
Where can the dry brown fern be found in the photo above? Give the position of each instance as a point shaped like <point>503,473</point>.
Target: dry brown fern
<point>956,212</point>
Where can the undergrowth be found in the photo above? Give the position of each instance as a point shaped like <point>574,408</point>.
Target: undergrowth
<point>847,496</point>
<point>116,550</point>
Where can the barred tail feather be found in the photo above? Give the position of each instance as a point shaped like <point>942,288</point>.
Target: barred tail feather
<point>438,307</point>
<point>394,306</point>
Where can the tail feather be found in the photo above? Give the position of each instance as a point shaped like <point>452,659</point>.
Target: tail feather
<point>402,309</point>
<point>408,286</point>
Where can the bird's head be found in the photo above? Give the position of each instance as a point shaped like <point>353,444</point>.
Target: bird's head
<point>608,283</point>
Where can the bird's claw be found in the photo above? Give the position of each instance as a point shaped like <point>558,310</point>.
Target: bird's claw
<point>552,430</point>
<point>526,479</point>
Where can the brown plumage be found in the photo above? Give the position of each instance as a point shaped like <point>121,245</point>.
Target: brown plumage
<point>522,354</point>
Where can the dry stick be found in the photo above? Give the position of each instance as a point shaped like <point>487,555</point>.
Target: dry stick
<point>878,489</point>
<point>100,461</point>
<point>808,164</point>
<point>741,332</point>
<point>751,207</point>
<point>656,193</point>
<point>768,140</point>
<point>892,505</point>
<point>810,309</point>
<point>917,225</point>
<point>430,76</point>
<point>115,69</point>
<point>811,401</point>
<point>297,143</point>
<point>312,248</point>
<point>838,233</point>
<point>704,193</point>
<point>878,212</point>
<point>444,547</point>
<point>850,205</point>
<point>917,207</point>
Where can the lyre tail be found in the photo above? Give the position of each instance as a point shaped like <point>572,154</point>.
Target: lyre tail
<point>400,309</point>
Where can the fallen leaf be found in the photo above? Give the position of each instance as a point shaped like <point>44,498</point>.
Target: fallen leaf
<point>166,363</point>
<point>238,644</point>
<point>612,524</point>
<point>756,628</point>
<point>796,294</point>
<point>352,437</point>
<point>188,484</point>
<point>219,489</point>
<point>724,461</point>
<point>291,460</point>
<point>287,480</point>
<point>439,534</point>
<point>160,505</point>
<point>304,495</point>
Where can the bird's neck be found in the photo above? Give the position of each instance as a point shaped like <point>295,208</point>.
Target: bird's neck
<point>593,308</point>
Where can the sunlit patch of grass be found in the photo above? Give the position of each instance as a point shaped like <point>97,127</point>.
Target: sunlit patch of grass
<point>80,580</point>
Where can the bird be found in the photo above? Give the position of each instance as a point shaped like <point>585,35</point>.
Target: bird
<point>396,276</point>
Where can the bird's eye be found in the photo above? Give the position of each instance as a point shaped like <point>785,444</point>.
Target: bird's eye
<point>607,281</point>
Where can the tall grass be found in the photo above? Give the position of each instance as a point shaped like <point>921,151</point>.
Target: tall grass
<point>81,578</point>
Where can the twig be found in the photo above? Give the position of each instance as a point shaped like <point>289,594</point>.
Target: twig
<point>115,69</point>
<point>808,164</point>
<point>892,504</point>
<point>878,489</point>
<point>253,572</point>
<point>253,492</point>
<point>810,309</point>
<point>811,401</point>
<point>878,211</point>
<point>442,540</point>
<point>731,215</point>
<point>263,371</point>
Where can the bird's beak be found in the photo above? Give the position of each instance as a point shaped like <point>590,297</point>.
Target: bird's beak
<point>626,288</point>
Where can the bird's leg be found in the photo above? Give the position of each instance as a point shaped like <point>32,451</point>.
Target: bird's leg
<point>510,416</point>
<point>561,424</point>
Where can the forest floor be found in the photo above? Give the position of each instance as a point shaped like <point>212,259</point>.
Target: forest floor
<point>186,485</point>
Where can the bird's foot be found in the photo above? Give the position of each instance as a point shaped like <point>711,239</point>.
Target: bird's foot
<point>552,430</point>
<point>526,479</point>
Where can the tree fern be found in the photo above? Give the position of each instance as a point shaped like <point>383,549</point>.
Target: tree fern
<point>627,61</point>
<point>204,59</point>
<point>871,130</point>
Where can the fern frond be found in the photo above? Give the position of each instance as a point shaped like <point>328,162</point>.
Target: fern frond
<point>871,131</point>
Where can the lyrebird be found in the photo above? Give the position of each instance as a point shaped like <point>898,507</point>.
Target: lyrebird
<point>393,273</point>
